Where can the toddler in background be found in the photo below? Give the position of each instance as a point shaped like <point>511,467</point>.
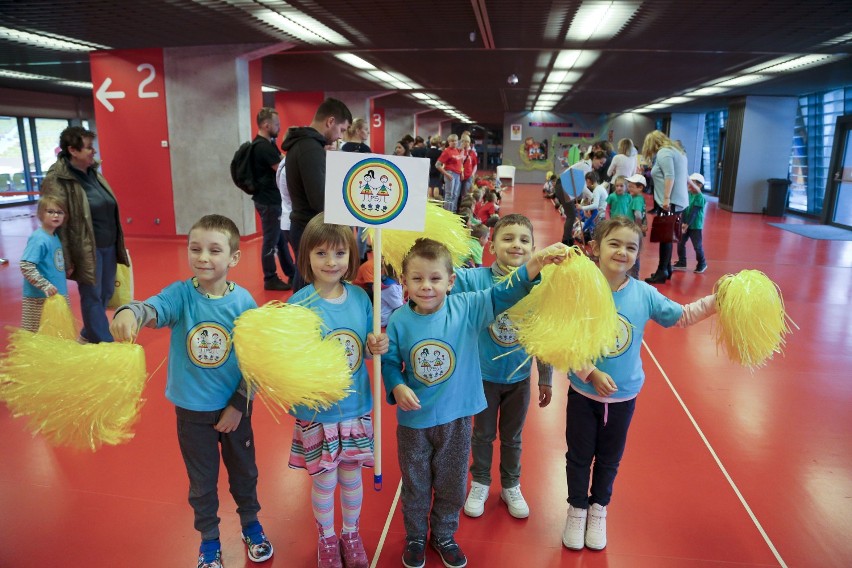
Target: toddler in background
<point>636,188</point>
<point>478,239</point>
<point>42,263</point>
<point>693,223</point>
<point>619,202</point>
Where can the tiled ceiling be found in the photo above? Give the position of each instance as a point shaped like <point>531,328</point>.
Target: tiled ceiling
<point>461,51</point>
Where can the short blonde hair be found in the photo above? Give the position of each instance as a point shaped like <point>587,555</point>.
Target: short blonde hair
<point>452,137</point>
<point>46,201</point>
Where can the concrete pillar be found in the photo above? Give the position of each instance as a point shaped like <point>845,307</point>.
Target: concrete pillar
<point>689,129</point>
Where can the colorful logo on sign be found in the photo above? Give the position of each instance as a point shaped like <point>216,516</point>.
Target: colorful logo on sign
<point>375,191</point>
<point>432,361</point>
<point>208,345</point>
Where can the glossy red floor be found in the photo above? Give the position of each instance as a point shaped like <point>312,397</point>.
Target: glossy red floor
<point>723,467</point>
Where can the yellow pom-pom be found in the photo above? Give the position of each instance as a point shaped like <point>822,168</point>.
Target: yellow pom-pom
<point>56,318</point>
<point>441,225</point>
<point>569,319</point>
<point>81,396</point>
<point>284,358</point>
<point>752,320</point>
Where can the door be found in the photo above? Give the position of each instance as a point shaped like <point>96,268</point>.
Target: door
<point>838,189</point>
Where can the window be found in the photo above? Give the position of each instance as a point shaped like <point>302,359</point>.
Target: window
<point>31,142</point>
<point>714,123</point>
<point>11,160</point>
<point>813,137</point>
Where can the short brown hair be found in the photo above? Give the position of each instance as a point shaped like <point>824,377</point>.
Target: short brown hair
<point>73,137</point>
<point>609,225</point>
<point>479,231</point>
<point>318,233</point>
<point>264,114</point>
<point>513,219</point>
<point>429,249</point>
<point>221,224</point>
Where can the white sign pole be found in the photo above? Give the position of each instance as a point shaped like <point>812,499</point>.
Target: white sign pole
<point>377,360</point>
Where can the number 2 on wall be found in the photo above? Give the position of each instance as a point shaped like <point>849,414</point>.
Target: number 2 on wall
<point>143,94</point>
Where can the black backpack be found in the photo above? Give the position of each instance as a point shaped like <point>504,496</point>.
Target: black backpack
<point>241,169</point>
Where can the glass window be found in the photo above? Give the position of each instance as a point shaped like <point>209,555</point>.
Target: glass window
<point>714,122</point>
<point>813,137</point>
<point>47,131</point>
<point>11,161</point>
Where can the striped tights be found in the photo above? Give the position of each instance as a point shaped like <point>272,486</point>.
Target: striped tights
<point>348,475</point>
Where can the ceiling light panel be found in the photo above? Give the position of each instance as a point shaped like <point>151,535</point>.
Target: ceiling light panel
<point>354,61</point>
<point>597,20</point>
<point>55,42</point>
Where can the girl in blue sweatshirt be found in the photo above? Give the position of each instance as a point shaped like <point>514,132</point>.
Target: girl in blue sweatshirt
<point>601,399</point>
<point>334,444</point>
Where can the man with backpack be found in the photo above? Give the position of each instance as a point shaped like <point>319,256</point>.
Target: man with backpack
<point>265,158</point>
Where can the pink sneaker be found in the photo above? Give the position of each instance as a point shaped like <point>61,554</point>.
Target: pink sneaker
<point>352,549</point>
<point>328,553</point>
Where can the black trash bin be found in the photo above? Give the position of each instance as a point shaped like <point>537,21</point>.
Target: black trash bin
<point>776,199</point>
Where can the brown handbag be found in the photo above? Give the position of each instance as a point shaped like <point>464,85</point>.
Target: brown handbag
<point>666,228</point>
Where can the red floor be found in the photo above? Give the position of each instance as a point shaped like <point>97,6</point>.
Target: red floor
<point>782,435</point>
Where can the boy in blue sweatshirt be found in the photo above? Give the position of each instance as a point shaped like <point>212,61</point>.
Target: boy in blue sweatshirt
<point>506,370</point>
<point>205,383</point>
<point>439,389</point>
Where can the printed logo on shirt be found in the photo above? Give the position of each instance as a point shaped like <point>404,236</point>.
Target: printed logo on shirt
<point>59,260</point>
<point>623,338</point>
<point>375,191</point>
<point>208,345</point>
<point>352,346</point>
<point>503,331</point>
<point>432,362</point>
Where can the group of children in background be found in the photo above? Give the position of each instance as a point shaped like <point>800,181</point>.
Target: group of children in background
<point>450,363</point>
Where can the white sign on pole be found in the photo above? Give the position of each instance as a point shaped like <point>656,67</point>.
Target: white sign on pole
<point>373,190</point>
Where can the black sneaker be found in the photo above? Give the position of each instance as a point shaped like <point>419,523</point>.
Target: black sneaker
<point>415,552</point>
<point>679,265</point>
<point>451,553</point>
<point>701,268</point>
<point>276,284</point>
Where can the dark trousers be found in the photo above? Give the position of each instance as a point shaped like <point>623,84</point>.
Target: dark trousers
<point>507,408</point>
<point>594,431</point>
<point>697,239</point>
<point>199,445</point>
<point>274,242</point>
<point>665,265</point>
<point>95,297</point>
<point>296,230</point>
<point>433,462</point>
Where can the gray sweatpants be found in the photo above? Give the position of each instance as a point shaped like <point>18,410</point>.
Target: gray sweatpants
<point>510,401</point>
<point>433,462</point>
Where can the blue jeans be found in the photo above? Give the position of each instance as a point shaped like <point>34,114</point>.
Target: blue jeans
<point>274,241</point>
<point>451,191</point>
<point>596,433</point>
<point>694,235</point>
<point>95,297</point>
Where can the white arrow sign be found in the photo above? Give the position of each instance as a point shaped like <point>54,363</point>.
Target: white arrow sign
<point>103,95</point>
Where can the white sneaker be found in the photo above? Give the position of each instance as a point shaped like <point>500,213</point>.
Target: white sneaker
<point>575,528</point>
<point>518,507</point>
<point>475,504</point>
<point>596,528</point>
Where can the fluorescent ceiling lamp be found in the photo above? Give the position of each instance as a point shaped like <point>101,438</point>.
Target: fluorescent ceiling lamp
<point>708,91</point>
<point>57,42</point>
<point>77,84</point>
<point>354,61</point>
<point>742,80</point>
<point>600,19</point>
<point>656,106</point>
<point>676,101</point>
<point>838,40</point>
<point>422,96</point>
<point>566,59</point>
<point>556,77</point>
<point>383,76</point>
<point>798,63</point>
<point>267,89</point>
<point>9,74</point>
<point>301,27</point>
<point>545,97</point>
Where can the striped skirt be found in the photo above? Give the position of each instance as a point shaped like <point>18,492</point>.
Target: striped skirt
<point>318,447</point>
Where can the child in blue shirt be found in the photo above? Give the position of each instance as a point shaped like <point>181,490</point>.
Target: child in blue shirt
<point>601,399</point>
<point>205,383</point>
<point>506,371</point>
<point>42,263</point>
<point>332,445</point>
<point>435,338</point>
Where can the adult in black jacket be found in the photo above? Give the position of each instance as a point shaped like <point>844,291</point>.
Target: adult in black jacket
<point>305,148</point>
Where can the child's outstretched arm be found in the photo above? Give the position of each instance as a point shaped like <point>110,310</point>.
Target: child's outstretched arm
<point>130,318</point>
<point>697,311</point>
<point>554,254</point>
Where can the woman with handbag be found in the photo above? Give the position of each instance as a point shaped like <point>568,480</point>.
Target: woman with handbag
<point>92,238</point>
<point>669,173</point>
